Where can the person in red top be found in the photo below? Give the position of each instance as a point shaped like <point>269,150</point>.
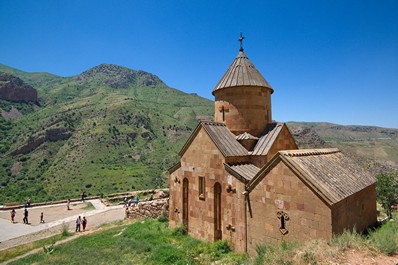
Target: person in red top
<point>84,222</point>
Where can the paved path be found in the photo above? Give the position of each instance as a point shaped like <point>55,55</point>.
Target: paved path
<point>55,216</point>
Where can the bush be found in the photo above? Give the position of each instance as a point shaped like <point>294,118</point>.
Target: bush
<point>162,219</point>
<point>385,238</point>
<point>348,240</point>
<point>387,191</point>
<point>65,230</point>
<point>179,231</point>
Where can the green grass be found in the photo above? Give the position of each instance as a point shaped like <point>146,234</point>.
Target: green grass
<point>89,206</point>
<point>22,249</point>
<point>144,242</point>
<point>150,241</point>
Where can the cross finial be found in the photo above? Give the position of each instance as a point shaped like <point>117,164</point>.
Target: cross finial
<point>241,42</point>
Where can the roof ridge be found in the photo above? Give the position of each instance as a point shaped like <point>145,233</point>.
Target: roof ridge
<point>309,152</point>
<point>213,123</point>
<point>246,136</point>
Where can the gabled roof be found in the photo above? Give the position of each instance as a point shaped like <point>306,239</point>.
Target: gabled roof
<point>175,167</point>
<point>267,139</point>
<point>243,172</point>
<point>329,173</point>
<point>246,136</point>
<point>221,137</point>
<point>242,73</point>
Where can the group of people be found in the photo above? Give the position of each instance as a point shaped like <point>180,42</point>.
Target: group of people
<point>79,222</point>
<point>25,219</point>
<point>127,201</point>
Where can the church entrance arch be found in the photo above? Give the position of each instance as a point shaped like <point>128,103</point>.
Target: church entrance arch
<point>185,185</point>
<point>217,211</point>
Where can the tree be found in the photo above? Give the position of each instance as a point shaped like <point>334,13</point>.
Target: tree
<point>387,190</point>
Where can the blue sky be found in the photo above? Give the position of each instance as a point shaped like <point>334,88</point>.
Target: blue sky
<point>333,61</point>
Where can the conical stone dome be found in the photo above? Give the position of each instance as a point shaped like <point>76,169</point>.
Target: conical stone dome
<point>243,98</point>
<point>242,73</point>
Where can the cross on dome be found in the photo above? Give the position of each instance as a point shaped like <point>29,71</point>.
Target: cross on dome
<point>241,42</point>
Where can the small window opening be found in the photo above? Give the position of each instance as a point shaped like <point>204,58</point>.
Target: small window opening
<point>202,188</point>
<point>282,222</point>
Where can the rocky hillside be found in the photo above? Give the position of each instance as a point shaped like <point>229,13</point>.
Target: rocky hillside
<point>375,148</point>
<point>109,129</point>
<point>13,88</point>
<point>112,129</point>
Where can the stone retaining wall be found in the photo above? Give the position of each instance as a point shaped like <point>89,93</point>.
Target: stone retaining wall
<point>150,209</point>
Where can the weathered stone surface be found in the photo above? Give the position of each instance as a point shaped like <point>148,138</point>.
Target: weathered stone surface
<point>14,89</point>
<point>150,209</point>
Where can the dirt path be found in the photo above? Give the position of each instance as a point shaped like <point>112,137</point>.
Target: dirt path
<point>56,216</point>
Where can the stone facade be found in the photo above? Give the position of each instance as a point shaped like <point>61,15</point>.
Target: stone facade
<point>237,181</point>
<point>283,191</point>
<point>244,109</point>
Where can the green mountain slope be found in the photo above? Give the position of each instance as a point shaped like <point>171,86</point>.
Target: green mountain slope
<point>113,129</point>
<point>109,129</point>
<point>375,148</point>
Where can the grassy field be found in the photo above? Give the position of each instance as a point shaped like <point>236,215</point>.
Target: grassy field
<point>150,241</point>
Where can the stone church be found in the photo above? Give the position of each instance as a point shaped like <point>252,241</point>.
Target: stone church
<point>242,177</point>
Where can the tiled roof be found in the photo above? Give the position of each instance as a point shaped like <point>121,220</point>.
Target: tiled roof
<point>224,139</point>
<point>328,172</point>
<point>246,136</point>
<point>266,140</point>
<point>242,73</point>
<point>243,172</point>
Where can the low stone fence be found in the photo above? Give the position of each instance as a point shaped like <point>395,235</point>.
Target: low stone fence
<point>151,209</point>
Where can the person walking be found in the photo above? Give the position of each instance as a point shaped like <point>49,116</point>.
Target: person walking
<point>125,201</point>
<point>78,222</point>
<point>41,218</point>
<point>25,216</point>
<point>136,200</point>
<point>68,205</point>
<point>13,213</point>
<point>84,222</point>
<point>83,196</point>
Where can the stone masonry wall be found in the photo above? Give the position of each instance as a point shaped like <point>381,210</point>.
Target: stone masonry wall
<point>202,158</point>
<point>357,211</point>
<point>246,109</point>
<point>150,209</point>
<point>282,193</point>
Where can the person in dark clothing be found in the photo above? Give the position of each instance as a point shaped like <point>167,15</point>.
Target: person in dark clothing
<point>83,196</point>
<point>84,222</point>
<point>25,216</point>
<point>13,213</point>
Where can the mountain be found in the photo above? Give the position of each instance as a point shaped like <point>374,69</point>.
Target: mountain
<point>375,148</point>
<point>113,129</point>
<point>13,88</point>
<point>109,129</point>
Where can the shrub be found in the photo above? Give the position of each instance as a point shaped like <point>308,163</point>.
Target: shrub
<point>387,190</point>
<point>65,230</point>
<point>348,240</point>
<point>179,231</point>
<point>162,219</point>
<point>385,238</point>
